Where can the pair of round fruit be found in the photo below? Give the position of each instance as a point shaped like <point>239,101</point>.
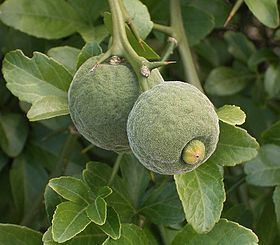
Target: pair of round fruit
<point>171,128</point>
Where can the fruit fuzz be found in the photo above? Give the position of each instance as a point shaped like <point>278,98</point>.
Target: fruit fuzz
<point>169,125</point>
<point>100,100</point>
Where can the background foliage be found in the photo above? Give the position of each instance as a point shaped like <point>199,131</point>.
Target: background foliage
<point>57,188</point>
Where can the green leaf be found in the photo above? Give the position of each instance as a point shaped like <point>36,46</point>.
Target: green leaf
<point>224,81</point>
<point>260,56</point>
<point>97,211</point>
<point>97,175</point>
<point>66,56</point>
<point>276,200</point>
<point>218,8</point>
<point>3,160</point>
<point>28,179</point>
<point>104,191</point>
<point>136,175</point>
<point>69,220</point>
<point>272,135</point>
<point>131,234</point>
<point>142,49</point>
<point>112,227</point>
<point>71,189</point>
<point>162,205</point>
<point>264,170</point>
<point>88,51</point>
<point>140,17</point>
<point>13,133</point>
<point>33,79</point>
<point>48,107</point>
<point>225,232</point>
<point>51,19</point>
<point>271,81</point>
<point>94,34</point>
<point>198,23</point>
<point>91,235</point>
<point>235,146</point>
<point>51,199</point>
<point>16,234</point>
<point>202,195</point>
<point>239,45</point>
<point>231,114</point>
<point>266,11</point>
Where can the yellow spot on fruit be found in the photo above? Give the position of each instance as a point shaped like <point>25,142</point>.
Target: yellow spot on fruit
<point>194,152</point>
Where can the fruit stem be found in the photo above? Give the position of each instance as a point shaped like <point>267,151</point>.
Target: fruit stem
<point>115,168</point>
<point>120,44</point>
<point>183,44</point>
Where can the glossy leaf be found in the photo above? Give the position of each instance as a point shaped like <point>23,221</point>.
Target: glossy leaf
<point>97,211</point>
<point>13,133</point>
<point>231,114</point>
<point>202,195</point>
<point>69,220</point>
<point>71,189</point>
<point>112,226</point>
<point>225,232</point>
<point>235,146</point>
<point>264,170</point>
<point>266,11</point>
<point>49,19</point>
<point>162,205</point>
<point>16,234</point>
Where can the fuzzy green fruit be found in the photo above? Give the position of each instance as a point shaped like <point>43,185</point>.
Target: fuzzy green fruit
<point>101,99</point>
<point>170,124</point>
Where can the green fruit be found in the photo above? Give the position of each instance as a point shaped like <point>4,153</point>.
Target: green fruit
<point>100,100</point>
<point>173,128</point>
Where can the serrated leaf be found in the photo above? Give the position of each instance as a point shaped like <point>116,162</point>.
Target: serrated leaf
<point>271,81</point>
<point>97,175</point>
<point>97,211</point>
<point>51,19</point>
<point>231,114</point>
<point>140,17</point>
<point>66,56</point>
<point>264,170</point>
<point>131,234</point>
<point>69,220</point>
<point>104,191</point>
<point>16,234</point>
<point>224,81</point>
<point>235,146</point>
<point>272,135</point>
<point>202,195</point>
<point>13,133</point>
<point>276,200</point>
<point>162,205</point>
<point>266,11</point>
<point>71,189</point>
<point>198,23</point>
<point>51,199</point>
<point>88,51</point>
<point>239,45</point>
<point>225,232</point>
<point>33,79</point>
<point>112,226</point>
<point>48,107</point>
<point>91,235</point>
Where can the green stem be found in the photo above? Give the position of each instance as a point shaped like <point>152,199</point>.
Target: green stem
<point>184,49</point>
<point>165,29</point>
<point>115,168</point>
<point>120,44</point>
